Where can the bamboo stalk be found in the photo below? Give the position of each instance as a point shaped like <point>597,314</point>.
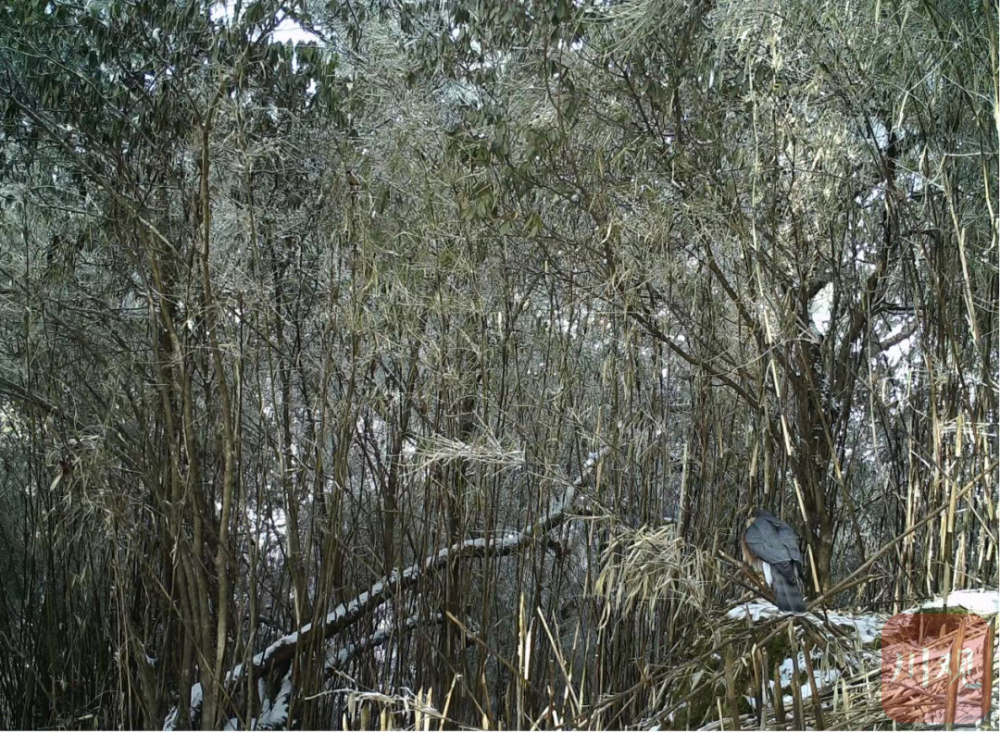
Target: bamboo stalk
<point>779,701</point>
<point>954,676</point>
<point>734,710</point>
<point>817,704</point>
<point>987,700</point>
<point>797,711</point>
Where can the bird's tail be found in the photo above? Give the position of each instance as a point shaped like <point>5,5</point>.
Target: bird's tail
<point>787,594</point>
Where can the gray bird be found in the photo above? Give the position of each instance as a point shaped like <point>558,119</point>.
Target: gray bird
<point>771,546</point>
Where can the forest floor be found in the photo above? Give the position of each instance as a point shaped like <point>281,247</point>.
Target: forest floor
<point>855,687</point>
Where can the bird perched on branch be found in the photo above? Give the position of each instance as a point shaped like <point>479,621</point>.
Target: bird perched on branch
<point>771,546</point>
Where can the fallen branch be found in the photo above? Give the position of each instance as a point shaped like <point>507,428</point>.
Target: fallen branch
<point>345,615</point>
<point>337,659</point>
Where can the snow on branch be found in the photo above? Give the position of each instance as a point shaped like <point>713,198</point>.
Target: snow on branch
<point>338,658</point>
<point>345,615</point>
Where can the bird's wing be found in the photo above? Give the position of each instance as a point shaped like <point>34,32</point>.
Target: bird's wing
<point>790,541</point>
<point>764,542</point>
<point>758,543</point>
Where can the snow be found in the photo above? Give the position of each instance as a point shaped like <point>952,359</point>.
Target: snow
<point>287,30</point>
<point>981,602</point>
<point>868,627</point>
<point>880,132</point>
<point>274,714</point>
<point>337,658</point>
<point>897,354</point>
<point>235,674</point>
<point>820,308</point>
<point>196,698</point>
<point>823,678</point>
<point>197,695</point>
<point>754,610</point>
<point>383,587</point>
<point>222,10</point>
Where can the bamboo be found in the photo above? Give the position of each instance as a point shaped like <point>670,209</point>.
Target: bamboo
<point>734,712</point>
<point>778,700</point>
<point>797,708</point>
<point>813,686</point>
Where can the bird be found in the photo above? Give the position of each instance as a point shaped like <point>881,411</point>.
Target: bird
<point>771,546</point>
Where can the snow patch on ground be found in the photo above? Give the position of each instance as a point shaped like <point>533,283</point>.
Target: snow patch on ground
<point>823,678</point>
<point>867,626</point>
<point>980,602</point>
<point>754,610</point>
